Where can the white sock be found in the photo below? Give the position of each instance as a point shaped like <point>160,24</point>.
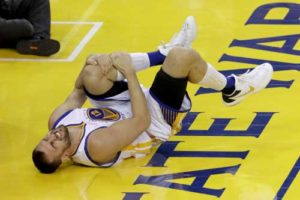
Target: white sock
<point>213,79</point>
<point>140,62</point>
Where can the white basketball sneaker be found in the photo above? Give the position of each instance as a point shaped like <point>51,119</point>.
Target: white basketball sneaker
<point>249,83</point>
<point>184,37</point>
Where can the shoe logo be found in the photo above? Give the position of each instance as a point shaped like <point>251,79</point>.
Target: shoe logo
<point>227,98</point>
<point>251,89</point>
<point>33,47</point>
<point>231,98</point>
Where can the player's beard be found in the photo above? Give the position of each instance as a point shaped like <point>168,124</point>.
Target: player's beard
<point>65,135</point>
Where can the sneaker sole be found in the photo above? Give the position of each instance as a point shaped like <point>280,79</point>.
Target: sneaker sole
<point>44,47</point>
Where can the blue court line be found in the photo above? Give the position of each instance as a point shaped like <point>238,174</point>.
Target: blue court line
<point>288,181</point>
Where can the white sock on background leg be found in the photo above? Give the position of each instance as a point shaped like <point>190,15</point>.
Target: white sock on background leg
<point>140,62</point>
<point>213,79</point>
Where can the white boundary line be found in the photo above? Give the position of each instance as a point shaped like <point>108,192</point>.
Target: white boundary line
<point>75,52</point>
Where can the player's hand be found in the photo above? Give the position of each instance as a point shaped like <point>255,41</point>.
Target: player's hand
<point>102,60</point>
<point>122,62</point>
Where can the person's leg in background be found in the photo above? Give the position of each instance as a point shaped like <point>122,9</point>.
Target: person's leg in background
<point>39,14</point>
<point>21,15</point>
<point>14,30</point>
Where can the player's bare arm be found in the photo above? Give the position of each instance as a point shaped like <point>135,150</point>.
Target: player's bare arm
<point>75,100</point>
<point>105,143</point>
<point>97,71</point>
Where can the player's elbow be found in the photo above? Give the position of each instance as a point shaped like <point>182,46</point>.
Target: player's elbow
<point>144,121</point>
<point>148,120</point>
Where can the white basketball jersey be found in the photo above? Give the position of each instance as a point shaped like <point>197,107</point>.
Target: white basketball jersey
<point>164,123</point>
<point>96,118</point>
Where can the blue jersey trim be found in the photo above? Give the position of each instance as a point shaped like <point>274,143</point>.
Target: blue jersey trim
<point>108,99</point>
<point>96,163</point>
<point>82,136</point>
<point>61,118</point>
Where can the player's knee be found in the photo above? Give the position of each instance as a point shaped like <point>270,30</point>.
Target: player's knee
<point>91,78</point>
<point>184,55</point>
<point>90,72</point>
<point>178,51</point>
<point>91,60</point>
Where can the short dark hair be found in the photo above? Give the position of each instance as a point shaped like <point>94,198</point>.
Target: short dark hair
<point>44,166</point>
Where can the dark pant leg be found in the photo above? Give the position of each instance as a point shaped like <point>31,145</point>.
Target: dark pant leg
<point>37,12</point>
<point>168,90</point>
<point>13,30</point>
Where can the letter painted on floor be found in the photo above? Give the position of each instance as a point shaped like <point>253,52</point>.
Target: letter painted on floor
<point>167,150</point>
<point>277,66</point>
<point>288,44</point>
<point>288,181</point>
<point>134,195</point>
<point>272,84</point>
<point>219,125</point>
<point>292,16</point>
<point>201,176</point>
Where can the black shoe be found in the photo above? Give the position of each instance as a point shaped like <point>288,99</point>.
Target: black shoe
<point>39,47</point>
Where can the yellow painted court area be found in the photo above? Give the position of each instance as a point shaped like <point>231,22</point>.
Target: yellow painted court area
<point>247,152</point>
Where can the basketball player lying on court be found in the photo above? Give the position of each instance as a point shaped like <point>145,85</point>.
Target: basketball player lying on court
<point>127,119</point>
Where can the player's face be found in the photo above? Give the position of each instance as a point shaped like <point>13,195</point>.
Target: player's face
<point>55,143</point>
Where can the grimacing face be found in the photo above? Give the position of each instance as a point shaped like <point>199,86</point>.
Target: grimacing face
<point>55,143</point>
